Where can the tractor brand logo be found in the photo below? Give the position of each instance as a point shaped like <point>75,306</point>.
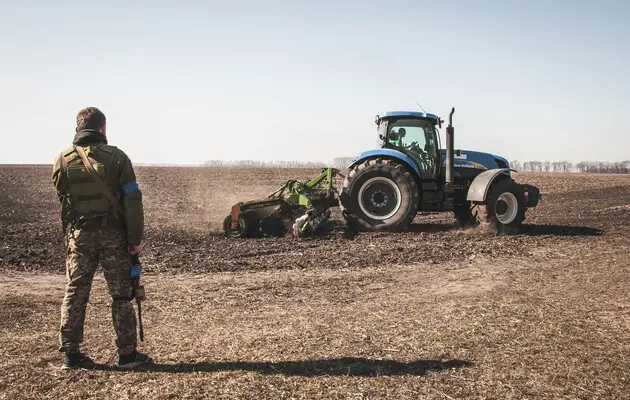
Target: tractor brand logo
<point>467,164</point>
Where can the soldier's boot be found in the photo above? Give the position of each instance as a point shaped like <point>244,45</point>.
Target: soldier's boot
<point>77,361</point>
<point>133,360</point>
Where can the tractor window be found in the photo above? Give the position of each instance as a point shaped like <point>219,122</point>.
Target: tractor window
<point>418,138</point>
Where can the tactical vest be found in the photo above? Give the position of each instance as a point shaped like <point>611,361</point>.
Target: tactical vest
<point>89,206</point>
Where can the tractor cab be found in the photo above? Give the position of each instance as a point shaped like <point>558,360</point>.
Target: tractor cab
<point>415,134</point>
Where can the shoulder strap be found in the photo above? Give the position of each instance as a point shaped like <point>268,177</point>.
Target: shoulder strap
<point>112,199</point>
<point>63,197</point>
<point>63,162</point>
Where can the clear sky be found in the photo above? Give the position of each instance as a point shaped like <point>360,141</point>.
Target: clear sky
<point>188,81</point>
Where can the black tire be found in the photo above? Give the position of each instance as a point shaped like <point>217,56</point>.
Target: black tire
<point>498,212</point>
<point>464,215</point>
<point>247,226</point>
<point>379,195</point>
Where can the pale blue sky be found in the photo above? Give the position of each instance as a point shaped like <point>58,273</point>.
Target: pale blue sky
<point>188,81</point>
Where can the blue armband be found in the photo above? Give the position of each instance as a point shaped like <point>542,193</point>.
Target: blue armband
<point>136,271</point>
<point>130,187</point>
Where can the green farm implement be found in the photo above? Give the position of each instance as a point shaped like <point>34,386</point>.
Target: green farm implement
<point>300,207</point>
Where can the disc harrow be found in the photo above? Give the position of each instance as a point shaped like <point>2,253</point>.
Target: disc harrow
<point>297,207</point>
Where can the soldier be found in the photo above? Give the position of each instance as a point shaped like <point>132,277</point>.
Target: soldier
<point>100,231</point>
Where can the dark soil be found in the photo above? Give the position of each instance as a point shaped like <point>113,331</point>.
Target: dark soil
<point>185,208</point>
<point>435,312</point>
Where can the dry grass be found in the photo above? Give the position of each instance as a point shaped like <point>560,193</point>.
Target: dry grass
<point>480,330</point>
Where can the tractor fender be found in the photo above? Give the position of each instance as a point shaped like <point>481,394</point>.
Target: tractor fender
<point>390,154</point>
<point>478,190</point>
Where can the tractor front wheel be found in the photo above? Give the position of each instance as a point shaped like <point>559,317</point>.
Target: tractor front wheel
<point>504,208</point>
<point>379,195</point>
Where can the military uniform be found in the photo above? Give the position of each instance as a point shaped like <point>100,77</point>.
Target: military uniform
<point>98,234</point>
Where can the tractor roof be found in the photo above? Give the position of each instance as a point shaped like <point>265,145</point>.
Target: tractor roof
<point>410,114</point>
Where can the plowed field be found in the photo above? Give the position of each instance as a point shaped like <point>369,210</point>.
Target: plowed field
<point>434,312</point>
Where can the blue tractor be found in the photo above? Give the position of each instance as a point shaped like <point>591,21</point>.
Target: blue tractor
<point>385,188</point>
<point>409,173</point>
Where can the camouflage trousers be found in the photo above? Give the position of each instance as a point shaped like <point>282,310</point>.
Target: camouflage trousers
<point>86,249</point>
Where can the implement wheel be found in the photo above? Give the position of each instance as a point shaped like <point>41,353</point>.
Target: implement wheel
<point>246,226</point>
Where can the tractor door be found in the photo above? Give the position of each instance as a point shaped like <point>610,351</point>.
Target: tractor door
<point>418,139</point>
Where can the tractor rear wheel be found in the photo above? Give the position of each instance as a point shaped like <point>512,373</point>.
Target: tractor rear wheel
<point>379,195</point>
<point>504,208</point>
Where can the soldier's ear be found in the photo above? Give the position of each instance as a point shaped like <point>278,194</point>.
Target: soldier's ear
<point>104,129</point>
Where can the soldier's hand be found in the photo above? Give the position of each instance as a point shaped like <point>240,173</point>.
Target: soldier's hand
<point>134,249</point>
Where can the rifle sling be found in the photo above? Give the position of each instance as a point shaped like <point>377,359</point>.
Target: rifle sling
<point>110,196</point>
<point>62,197</point>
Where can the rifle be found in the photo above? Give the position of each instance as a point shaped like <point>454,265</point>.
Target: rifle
<point>137,289</point>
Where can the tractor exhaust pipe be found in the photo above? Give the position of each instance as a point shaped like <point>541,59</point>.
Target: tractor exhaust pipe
<point>450,150</point>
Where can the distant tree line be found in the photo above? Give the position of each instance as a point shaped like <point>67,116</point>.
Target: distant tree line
<point>542,166</point>
<point>263,164</point>
<point>600,167</point>
<point>338,162</point>
<point>343,162</point>
<point>606,167</point>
